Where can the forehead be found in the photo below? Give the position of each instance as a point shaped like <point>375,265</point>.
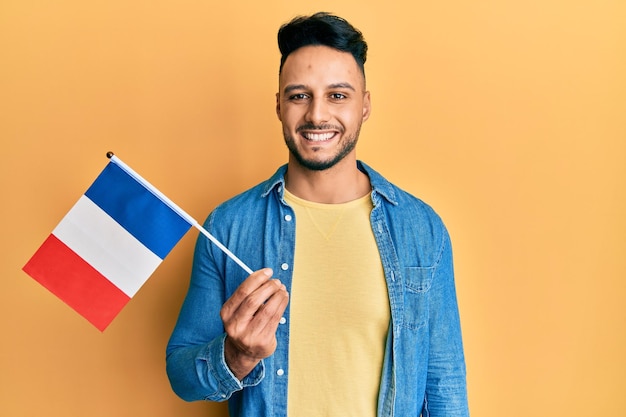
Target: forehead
<point>320,65</point>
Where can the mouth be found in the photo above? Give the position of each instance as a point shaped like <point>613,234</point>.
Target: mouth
<point>318,133</point>
<point>318,137</point>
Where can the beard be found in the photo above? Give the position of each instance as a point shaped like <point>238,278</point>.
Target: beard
<point>347,145</point>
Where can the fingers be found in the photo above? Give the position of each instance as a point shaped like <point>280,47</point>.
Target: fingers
<point>274,306</point>
<point>251,316</point>
<point>268,315</point>
<point>253,293</point>
<point>256,335</point>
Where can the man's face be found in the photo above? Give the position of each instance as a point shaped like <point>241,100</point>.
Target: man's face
<point>321,103</point>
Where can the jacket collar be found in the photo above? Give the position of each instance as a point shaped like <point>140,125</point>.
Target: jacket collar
<point>379,184</point>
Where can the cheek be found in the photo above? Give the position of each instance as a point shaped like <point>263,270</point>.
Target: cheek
<point>289,117</point>
<point>351,119</point>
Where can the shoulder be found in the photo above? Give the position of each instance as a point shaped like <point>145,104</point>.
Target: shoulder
<point>413,225</point>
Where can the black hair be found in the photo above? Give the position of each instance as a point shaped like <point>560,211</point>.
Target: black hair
<point>322,29</point>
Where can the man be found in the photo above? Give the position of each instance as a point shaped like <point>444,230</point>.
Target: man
<point>361,316</point>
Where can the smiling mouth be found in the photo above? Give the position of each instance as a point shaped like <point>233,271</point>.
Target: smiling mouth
<point>318,137</point>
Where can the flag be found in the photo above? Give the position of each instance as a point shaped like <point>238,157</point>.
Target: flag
<point>108,244</point>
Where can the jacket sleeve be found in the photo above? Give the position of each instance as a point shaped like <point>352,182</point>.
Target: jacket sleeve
<point>199,372</point>
<point>446,390</point>
<point>195,361</point>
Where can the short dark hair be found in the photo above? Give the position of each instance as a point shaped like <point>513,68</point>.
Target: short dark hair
<point>322,29</point>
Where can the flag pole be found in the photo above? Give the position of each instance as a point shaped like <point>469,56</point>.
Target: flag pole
<point>177,209</point>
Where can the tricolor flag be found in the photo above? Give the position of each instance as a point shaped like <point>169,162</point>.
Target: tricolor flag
<point>109,244</point>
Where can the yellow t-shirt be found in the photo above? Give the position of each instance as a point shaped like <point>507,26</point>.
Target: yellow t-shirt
<point>339,311</point>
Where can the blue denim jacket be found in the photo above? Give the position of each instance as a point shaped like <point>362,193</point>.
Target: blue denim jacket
<point>424,366</point>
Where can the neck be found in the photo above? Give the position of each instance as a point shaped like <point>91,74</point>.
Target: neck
<point>342,183</point>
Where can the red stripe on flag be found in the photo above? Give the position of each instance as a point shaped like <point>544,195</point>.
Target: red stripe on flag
<point>69,277</point>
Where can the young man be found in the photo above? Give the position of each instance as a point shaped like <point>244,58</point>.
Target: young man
<point>361,316</point>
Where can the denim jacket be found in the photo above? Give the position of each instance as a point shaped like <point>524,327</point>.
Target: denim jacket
<point>424,366</point>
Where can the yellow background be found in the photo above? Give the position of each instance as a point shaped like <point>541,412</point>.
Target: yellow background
<point>507,116</point>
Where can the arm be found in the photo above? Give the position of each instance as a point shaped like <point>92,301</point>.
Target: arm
<point>204,362</point>
<point>251,316</point>
<point>446,391</point>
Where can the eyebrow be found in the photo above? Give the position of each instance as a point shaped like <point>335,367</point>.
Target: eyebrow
<point>296,87</point>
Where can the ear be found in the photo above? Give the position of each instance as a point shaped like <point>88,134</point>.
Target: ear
<point>367,105</point>
<point>278,106</point>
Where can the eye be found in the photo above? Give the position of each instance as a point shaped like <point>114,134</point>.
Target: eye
<point>338,96</point>
<point>298,97</point>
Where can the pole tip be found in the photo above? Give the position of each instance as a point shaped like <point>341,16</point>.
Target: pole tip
<point>110,154</point>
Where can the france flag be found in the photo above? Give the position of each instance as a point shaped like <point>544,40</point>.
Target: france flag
<point>108,244</point>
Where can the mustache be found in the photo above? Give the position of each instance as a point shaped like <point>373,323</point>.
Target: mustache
<point>311,126</point>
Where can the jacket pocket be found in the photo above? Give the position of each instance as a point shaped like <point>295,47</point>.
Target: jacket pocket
<point>417,282</point>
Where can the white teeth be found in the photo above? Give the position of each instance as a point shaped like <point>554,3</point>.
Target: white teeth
<point>318,137</point>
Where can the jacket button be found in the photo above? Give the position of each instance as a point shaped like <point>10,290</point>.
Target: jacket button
<point>284,267</point>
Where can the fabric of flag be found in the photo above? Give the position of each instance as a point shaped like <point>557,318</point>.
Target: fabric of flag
<point>107,246</point>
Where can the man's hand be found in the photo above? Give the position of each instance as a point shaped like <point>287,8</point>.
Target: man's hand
<point>251,316</point>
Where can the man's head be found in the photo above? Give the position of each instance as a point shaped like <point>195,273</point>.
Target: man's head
<point>322,29</point>
<point>322,100</point>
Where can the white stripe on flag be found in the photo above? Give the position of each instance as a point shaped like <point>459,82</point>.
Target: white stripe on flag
<point>107,246</point>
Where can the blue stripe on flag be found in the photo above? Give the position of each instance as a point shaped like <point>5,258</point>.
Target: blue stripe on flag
<point>139,211</point>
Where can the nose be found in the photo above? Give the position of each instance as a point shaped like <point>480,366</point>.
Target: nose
<point>318,111</point>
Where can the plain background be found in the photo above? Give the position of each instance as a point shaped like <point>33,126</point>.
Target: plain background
<point>508,117</point>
